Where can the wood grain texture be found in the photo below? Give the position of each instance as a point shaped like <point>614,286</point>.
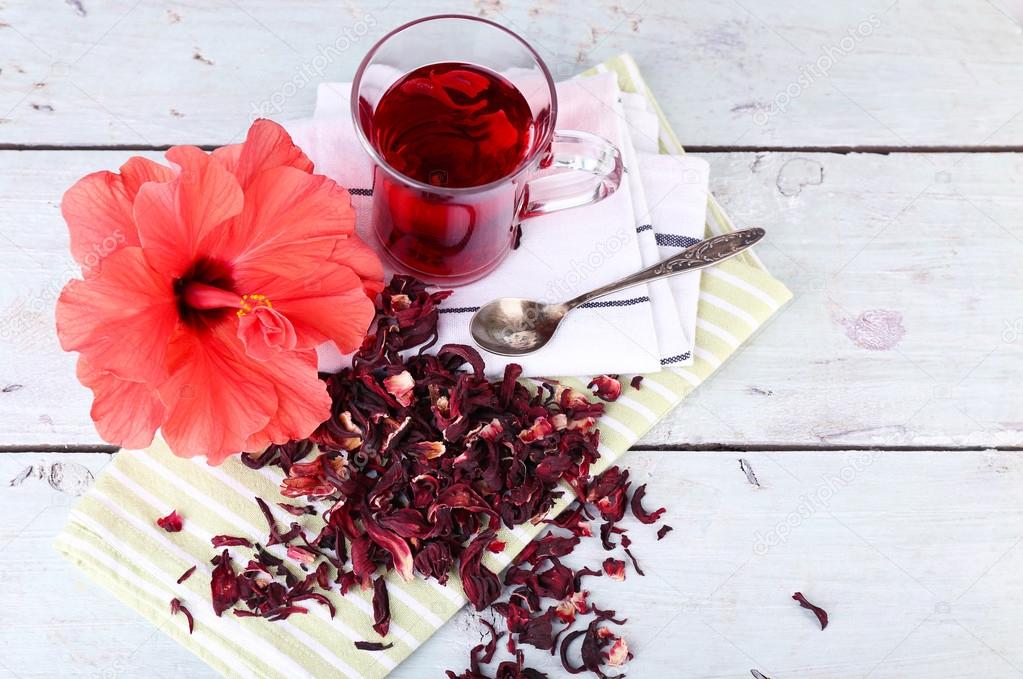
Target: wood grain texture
<point>900,548</point>
<point>906,327</point>
<point>789,74</point>
<point>906,323</point>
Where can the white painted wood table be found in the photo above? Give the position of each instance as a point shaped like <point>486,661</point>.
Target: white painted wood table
<point>880,145</point>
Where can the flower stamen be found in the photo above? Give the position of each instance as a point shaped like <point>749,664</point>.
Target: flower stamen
<point>253,301</point>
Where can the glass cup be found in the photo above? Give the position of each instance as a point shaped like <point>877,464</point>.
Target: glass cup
<point>458,234</point>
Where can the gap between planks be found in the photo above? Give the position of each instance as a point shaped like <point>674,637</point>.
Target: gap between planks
<point>691,148</point>
<point>679,448</point>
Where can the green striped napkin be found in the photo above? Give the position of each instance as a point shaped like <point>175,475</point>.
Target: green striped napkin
<point>111,534</point>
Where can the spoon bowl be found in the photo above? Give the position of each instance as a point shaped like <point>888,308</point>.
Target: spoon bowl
<point>512,326</point>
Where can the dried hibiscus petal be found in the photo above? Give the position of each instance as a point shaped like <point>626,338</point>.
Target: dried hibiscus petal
<point>567,609</point>
<point>540,429</point>
<point>313,596</point>
<point>381,608</point>
<point>664,530</point>
<point>606,387</point>
<point>574,521</point>
<point>224,585</point>
<point>406,523</point>
<point>482,586</point>
<point>276,536</point>
<point>606,529</point>
<point>186,575</point>
<point>171,523</point>
<point>547,546</point>
<point>557,582</point>
<point>296,510</point>
<point>637,507</point>
<point>608,493</point>
<point>626,543</point>
<point>822,615</point>
<point>509,669</point>
<point>427,449</point>
<point>301,554</point>
<point>614,568</point>
<point>619,653</point>
<point>484,653</point>
<point>401,555</point>
<point>230,541</point>
<point>538,631</point>
<point>595,638</point>
<point>283,455</point>
<point>372,646</point>
<point>565,644</point>
<point>635,382</point>
<point>434,560</point>
<point>177,607</point>
<point>400,386</point>
<point>314,479</point>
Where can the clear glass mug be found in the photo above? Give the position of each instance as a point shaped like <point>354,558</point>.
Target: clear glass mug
<point>455,235</point>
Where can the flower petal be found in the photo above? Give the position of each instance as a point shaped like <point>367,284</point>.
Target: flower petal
<point>265,333</point>
<point>98,213</point>
<point>290,223</point>
<point>302,397</point>
<point>174,218</point>
<point>121,318</point>
<point>138,170</point>
<point>360,258</point>
<point>267,146</point>
<point>216,396</point>
<point>126,413</point>
<point>228,156</point>
<point>328,302</point>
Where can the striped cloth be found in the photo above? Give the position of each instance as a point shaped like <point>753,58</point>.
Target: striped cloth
<point>112,537</point>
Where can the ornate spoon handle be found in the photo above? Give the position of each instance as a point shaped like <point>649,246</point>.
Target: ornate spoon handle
<point>703,254</point>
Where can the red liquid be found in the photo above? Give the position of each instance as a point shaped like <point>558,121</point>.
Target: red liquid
<point>450,125</point>
<point>453,125</point>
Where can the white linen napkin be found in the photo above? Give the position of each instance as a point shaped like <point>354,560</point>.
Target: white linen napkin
<point>560,255</point>
<point>671,340</point>
<point>675,188</point>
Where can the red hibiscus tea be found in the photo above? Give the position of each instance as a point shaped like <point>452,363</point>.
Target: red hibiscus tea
<point>449,125</point>
<point>453,124</point>
<point>457,114</point>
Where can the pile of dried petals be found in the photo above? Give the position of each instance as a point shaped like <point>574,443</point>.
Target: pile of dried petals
<point>422,459</point>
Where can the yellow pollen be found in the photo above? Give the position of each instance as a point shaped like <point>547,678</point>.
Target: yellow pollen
<point>250,302</point>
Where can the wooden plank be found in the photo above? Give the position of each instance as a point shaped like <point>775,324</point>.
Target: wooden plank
<point>906,323</point>
<point>729,73</point>
<point>66,625</point>
<point>906,326</point>
<point>914,555</point>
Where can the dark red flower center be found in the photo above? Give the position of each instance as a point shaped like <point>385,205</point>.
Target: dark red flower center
<point>205,273</point>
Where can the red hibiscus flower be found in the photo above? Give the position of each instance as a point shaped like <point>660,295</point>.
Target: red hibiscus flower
<point>206,287</point>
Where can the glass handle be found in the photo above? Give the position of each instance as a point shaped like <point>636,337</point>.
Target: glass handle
<point>590,171</point>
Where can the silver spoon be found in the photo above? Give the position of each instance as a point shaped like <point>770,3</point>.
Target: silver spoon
<point>512,326</point>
